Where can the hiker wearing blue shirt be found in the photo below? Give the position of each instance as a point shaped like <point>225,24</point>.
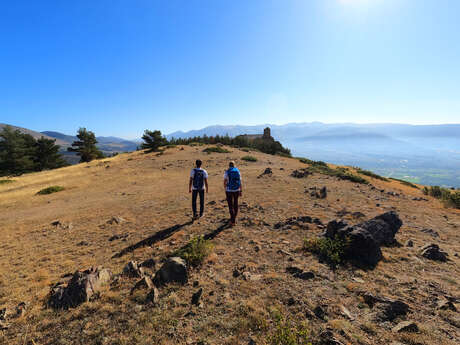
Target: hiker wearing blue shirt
<point>234,189</point>
<point>197,185</point>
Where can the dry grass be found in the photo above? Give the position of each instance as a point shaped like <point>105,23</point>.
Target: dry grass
<point>150,192</point>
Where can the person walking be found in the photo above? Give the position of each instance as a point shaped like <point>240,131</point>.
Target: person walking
<point>197,185</point>
<point>233,189</point>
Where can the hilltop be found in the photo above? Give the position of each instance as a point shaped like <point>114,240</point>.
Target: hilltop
<point>256,279</point>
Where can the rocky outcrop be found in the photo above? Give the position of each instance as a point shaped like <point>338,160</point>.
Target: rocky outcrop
<point>385,309</point>
<point>80,288</point>
<point>174,270</point>
<point>364,240</point>
<point>433,252</point>
<point>133,270</point>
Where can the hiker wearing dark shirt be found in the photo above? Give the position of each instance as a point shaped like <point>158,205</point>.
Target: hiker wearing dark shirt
<point>233,189</point>
<point>198,183</point>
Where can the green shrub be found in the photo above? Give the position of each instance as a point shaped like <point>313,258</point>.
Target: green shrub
<point>289,333</point>
<point>216,149</point>
<point>195,251</point>
<point>245,149</point>
<point>450,198</point>
<point>310,162</point>
<point>370,174</point>
<point>6,181</point>
<point>249,159</point>
<point>50,190</point>
<point>333,251</point>
<point>341,173</point>
<point>407,183</point>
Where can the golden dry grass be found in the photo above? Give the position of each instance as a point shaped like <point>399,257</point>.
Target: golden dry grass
<point>150,193</point>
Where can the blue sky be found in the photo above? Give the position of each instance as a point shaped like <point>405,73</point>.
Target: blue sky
<point>119,67</point>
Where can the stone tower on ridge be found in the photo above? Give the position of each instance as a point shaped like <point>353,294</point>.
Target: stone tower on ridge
<point>267,133</point>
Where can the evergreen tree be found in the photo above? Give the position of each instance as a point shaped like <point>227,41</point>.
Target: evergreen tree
<point>16,152</point>
<point>47,155</point>
<point>153,140</point>
<point>85,147</point>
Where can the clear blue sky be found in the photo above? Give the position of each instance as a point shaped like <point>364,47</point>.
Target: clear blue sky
<point>119,67</point>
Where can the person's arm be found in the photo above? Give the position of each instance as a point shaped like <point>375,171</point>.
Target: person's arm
<point>225,182</point>
<point>206,184</point>
<point>190,185</point>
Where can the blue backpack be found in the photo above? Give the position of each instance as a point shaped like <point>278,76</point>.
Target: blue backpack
<point>234,179</point>
<point>198,178</point>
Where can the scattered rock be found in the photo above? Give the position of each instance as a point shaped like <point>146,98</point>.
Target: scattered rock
<point>409,243</point>
<point>21,309</point>
<point>405,326</point>
<point>116,220</point>
<point>267,171</point>
<point>133,270</point>
<point>299,273</point>
<point>174,270</point>
<point>385,309</point>
<point>251,277</point>
<point>327,338</point>
<point>319,312</point>
<point>301,173</point>
<point>433,252</point>
<point>82,243</point>
<point>196,297</point>
<point>323,193</point>
<point>118,237</point>
<point>446,305</point>
<point>59,224</point>
<point>153,296</point>
<point>345,312</point>
<point>301,222</point>
<point>430,232</point>
<point>80,288</point>
<point>144,283</point>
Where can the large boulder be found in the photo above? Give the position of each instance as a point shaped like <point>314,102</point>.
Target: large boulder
<point>365,239</point>
<point>80,288</point>
<point>174,270</point>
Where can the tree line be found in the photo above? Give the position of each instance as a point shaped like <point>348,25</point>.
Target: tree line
<point>21,153</point>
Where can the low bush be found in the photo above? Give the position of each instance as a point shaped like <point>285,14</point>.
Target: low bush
<point>216,149</point>
<point>6,181</point>
<point>370,174</point>
<point>333,251</point>
<point>310,162</point>
<point>195,251</point>
<point>406,183</point>
<point>450,198</point>
<point>50,190</point>
<point>288,332</point>
<point>249,159</point>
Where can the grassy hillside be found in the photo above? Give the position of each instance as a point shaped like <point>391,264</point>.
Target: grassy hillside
<point>250,295</point>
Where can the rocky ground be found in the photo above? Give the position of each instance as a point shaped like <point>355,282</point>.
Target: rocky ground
<point>135,209</point>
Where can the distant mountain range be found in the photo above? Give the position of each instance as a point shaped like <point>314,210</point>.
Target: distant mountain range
<point>427,154</point>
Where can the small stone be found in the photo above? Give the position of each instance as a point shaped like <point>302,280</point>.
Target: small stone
<point>405,326</point>
<point>149,263</point>
<point>153,296</point>
<point>409,243</point>
<point>197,296</point>
<point>306,275</point>
<point>133,270</point>
<point>319,312</point>
<point>144,283</point>
<point>446,305</point>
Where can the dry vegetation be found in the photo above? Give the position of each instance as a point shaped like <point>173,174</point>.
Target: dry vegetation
<point>149,191</point>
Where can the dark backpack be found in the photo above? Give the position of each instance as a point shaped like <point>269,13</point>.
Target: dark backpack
<point>234,179</point>
<point>198,178</point>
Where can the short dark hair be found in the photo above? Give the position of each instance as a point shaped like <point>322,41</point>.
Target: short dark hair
<point>198,162</point>
<point>232,163</point>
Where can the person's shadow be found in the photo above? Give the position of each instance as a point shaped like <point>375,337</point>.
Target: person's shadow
<point>157,237</point>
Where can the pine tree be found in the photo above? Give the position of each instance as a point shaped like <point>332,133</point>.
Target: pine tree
<point>153,140</point>
<point>85,147</point>
<point>16,152</point>
<point>47,155</point>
